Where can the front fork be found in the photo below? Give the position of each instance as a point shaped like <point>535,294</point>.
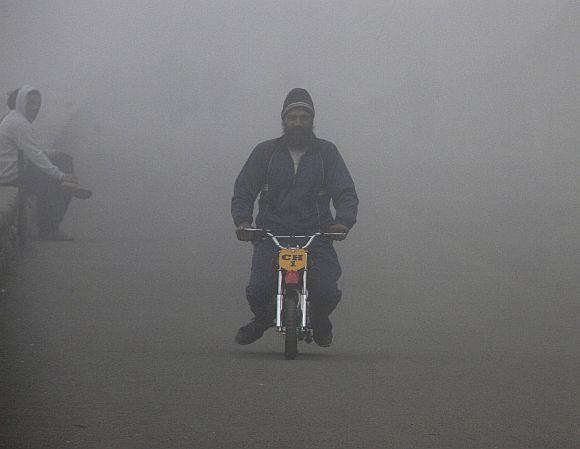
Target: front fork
<point>302,295</point>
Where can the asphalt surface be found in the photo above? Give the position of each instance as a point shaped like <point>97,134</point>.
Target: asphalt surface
<point>128,344</point>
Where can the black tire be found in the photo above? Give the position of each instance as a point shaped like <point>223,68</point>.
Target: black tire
<point>291,337</point>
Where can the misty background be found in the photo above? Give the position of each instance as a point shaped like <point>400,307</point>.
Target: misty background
<point>458,121</point>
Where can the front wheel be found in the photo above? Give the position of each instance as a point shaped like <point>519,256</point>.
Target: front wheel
<point>291,336</point>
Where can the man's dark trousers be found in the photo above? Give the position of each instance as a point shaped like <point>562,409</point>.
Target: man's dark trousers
<point>52,198</point>
<point>323,274</point>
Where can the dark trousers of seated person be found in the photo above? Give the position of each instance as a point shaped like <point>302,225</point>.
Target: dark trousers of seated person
<point>52,198</point>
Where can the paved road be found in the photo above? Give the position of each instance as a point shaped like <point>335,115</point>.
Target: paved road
<point>127,344</point>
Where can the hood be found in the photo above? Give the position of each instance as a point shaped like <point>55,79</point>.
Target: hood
<point>21,98</point>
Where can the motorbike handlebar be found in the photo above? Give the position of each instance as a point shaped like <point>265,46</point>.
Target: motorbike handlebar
<point>264,232</point>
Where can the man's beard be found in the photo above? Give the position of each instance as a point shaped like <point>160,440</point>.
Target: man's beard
<point>299,137</point>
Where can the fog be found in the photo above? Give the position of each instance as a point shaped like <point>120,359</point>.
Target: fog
<point>458,121</point>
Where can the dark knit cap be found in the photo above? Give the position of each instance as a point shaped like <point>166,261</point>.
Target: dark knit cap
<point>297,98</point>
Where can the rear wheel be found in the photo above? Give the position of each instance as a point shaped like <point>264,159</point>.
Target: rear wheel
<point>291,337</point>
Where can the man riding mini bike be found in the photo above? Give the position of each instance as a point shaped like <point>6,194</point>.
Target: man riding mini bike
<point>294,178</point>
<point>293,320</point>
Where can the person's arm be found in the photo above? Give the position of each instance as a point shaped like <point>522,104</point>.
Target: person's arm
<point>27,143</point>
<point>246,189</point>
<point>343,193</point>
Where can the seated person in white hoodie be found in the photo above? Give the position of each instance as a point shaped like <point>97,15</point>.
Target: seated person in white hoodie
<point>48,174</point>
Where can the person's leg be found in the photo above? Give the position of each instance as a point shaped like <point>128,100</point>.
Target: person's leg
<point>58,198</point>
<point>260,293</point>
<point>52,199</point>
<point>323,292</point>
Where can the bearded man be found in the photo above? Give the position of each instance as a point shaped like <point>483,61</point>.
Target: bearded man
<point>296,176</point>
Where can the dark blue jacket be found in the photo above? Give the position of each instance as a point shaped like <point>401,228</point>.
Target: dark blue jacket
<point>295,203</point>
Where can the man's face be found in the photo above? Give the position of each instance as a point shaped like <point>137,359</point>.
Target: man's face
<point>298,126</point>
<point>33,102</point>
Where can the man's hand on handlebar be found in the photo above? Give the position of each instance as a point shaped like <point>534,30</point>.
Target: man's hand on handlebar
<point>242,234</point>
<point>338,228</point>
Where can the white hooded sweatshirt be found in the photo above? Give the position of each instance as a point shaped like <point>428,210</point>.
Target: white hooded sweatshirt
<point>16,134</point>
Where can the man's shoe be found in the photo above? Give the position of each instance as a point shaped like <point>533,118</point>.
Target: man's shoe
<point>250,333</point>
<point>321,328</point>
<point>323,339</point>
<point>56,236</point>
<point>77,191</point>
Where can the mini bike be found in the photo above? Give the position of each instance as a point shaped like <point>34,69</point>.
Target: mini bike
<point>292,305</point>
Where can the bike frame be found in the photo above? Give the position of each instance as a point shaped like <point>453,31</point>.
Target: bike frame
<point>283,283</point>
